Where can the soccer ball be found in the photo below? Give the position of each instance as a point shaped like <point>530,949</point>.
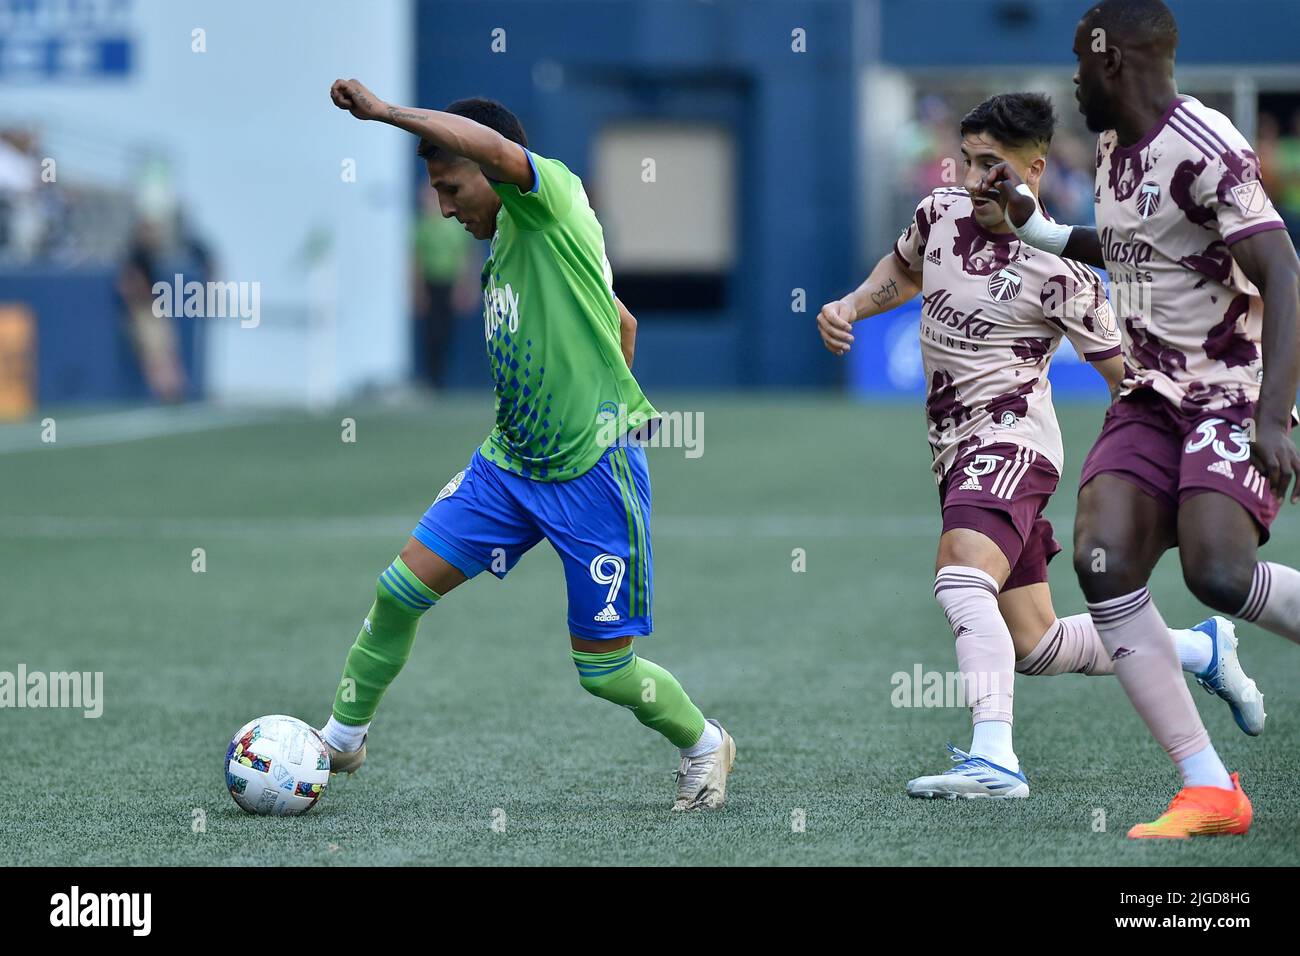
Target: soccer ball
<point>277,766</point>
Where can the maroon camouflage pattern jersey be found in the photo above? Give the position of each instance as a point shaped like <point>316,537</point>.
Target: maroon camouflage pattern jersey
<point>1169,207</point>
<point>993,312</point>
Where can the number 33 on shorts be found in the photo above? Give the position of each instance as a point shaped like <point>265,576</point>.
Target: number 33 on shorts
<point>1207,434</point>
<point>1231,444</point>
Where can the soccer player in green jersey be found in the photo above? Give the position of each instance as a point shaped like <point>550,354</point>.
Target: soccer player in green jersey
<point>564,461</point>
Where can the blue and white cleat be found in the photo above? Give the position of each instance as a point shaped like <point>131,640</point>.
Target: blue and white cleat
<point>973,778</point>
<point>1225,677</point>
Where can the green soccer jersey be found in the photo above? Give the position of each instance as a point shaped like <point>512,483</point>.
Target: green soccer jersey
<point>564,392</point>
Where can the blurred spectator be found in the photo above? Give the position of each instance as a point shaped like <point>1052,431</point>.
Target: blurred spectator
<point>928,148</point>
<point>445,276</point>
<point>1067,184</point>
<point>927,156</point>
<point>159,250</point>
<point>194,248</point>
<point>41,219</point>
<point>22,228</point>
<point>1279,160</point>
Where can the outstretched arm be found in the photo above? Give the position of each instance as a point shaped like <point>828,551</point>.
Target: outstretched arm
<point>1269,261</point>
<point>498,157</point>
<point>1079,243</point>
<point>889,285</point>
<point>1084,246</point>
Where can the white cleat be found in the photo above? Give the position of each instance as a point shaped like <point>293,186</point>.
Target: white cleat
<point>1225,678</point>
<point>974,778</point>
<point>702,780</point>
<point>344,761</point>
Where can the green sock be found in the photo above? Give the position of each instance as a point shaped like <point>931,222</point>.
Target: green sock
<point>384,643</point>
<point>652,693</point>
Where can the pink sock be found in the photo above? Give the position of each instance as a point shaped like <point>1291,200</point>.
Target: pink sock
<point>1274,600</point>
<point>1070,646</point>
<point>1073,646</point>
<point>1142,653</point>
<point>986,656</point>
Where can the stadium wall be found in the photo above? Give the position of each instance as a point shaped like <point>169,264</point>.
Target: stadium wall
<point>569,67</point>
<point>256,152</point>
<point>965,34</point>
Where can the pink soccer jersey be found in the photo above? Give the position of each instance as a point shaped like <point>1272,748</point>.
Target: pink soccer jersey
<point>1169,207</point>
<point>992,315</point>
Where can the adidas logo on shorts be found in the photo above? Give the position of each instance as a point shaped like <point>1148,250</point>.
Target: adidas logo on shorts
<point>606,614</point>
<point>1221,468</point>
<point>932,256</point>
<point>971,484</point>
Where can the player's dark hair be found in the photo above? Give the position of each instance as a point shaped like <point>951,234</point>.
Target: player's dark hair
<point>1136,23</point>
<point>481,110</point>
<point>1014,119</point>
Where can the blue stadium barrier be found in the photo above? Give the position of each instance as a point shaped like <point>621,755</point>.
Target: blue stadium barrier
<point>82,350</point>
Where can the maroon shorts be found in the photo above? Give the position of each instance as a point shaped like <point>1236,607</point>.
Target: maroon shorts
<point>1001,491</point>
<point>1171,456</point>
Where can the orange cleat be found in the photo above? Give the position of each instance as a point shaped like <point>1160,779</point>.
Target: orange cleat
<point>1200,811</point>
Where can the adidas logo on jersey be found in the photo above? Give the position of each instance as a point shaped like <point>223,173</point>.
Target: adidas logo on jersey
<point>1221,468</point>
<point>971,484</point>
<point>932,256</point>
<point>607,614</point>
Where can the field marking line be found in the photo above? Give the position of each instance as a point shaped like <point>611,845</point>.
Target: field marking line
<point>387,526</point>
<point>138,424</point>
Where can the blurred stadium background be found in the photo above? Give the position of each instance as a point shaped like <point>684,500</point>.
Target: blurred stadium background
<point>142,139</point>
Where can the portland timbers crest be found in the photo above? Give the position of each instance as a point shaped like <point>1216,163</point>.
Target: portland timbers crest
<point>1005,284</point>
<point>1148,199</point>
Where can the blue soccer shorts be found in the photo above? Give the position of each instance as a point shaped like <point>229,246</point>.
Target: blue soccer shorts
<point>486,519</point>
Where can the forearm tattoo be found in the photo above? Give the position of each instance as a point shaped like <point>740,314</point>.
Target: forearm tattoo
<point>886,293</point>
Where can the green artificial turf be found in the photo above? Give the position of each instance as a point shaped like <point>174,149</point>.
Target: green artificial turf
<point>487,725</point>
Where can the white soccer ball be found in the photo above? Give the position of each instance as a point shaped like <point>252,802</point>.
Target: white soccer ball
<point>277,766</point>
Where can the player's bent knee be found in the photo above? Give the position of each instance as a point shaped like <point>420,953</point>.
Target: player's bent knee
<point>596,688</point>
<point>1220,583</point>
<point>399,591</point>
<point>1104,567</point>
<point>602,673</point>
<point>1084,549</point>
<point>963,547</point>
